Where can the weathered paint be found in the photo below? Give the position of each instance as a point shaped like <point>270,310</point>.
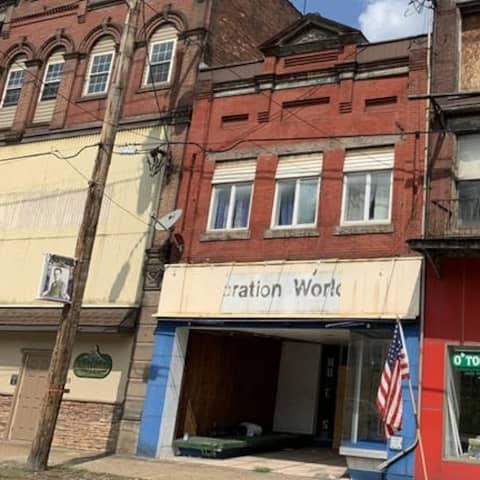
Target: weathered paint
<point>384,288</point>
<point>452,304</point>
<point>110,389</point>
<point>41,209</point>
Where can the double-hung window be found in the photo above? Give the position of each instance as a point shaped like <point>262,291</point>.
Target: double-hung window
<point>51,82</point>
<point>231,195</point>
<point>100,67</point>
<point>14,83</point>
<point>367,189</point>
<point>296,191</point>
<point>468,180</point>
<point>161,54</point>
<point>50,85</point>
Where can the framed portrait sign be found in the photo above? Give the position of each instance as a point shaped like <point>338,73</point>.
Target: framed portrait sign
<point>56,280</point>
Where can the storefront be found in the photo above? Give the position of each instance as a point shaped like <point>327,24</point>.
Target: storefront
<point>296,347</point>
<point>450,414</point>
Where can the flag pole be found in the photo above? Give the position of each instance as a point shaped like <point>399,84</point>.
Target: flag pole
<point>414,405</point>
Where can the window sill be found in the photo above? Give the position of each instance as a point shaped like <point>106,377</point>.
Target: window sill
<point>362,452</point>
<point>363,229</point>
<point>158,88</point>
<point>291,232</point>
<point>225,235</point>
<point>88,98</point>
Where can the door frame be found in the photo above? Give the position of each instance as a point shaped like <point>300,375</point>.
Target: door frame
<point>25,353</point>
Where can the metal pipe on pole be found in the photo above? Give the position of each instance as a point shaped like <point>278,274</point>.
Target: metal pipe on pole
<point>70,316</point>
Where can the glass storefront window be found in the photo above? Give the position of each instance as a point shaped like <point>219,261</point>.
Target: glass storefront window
<point>462,400</point>
<point>366,359</point>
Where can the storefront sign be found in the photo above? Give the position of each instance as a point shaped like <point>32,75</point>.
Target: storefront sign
<point>385,288</point>
<point>93,364</point>
<point>282,293</point>
<point>466,361</point>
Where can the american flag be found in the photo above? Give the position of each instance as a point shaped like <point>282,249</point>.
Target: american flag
<point>389,395</point>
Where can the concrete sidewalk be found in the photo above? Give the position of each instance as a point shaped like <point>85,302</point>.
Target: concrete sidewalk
<point>145,469</point>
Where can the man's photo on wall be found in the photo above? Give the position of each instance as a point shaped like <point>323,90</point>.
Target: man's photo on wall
<point>56,280</point>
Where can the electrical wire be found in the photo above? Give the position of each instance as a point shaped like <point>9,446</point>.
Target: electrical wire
<point>149,64</point>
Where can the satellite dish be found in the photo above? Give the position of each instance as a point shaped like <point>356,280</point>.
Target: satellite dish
<point>167,221</point>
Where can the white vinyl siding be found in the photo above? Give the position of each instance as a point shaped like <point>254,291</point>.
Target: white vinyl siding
<point>11,91</point>
<point>48,93</point>
<point>100,67</point>
<point>161,55</point>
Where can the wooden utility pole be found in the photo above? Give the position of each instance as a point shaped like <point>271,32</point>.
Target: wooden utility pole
<point>62,351</point>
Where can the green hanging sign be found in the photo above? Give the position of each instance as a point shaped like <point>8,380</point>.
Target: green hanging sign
<point>93,364</point>
<point>466,361</point>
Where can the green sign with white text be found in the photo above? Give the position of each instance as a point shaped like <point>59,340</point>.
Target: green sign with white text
<point>466,361</point>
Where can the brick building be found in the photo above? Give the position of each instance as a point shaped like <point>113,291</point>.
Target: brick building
<point>450,392</point>
<point>56,62</point>
<point>301,182</point>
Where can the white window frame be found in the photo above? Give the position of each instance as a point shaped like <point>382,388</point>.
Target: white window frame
<point>234,185</point>
<point>89,73</point>
<point>58,62</point>
<point>368,186</point>
<point>13,68</point>
<point>149,63</point>
<point>295,223</point>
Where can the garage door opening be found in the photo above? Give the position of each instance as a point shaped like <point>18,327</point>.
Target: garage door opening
<point>287,383</point>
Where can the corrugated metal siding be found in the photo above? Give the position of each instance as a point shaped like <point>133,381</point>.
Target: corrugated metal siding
<point>7,114</point>
<point>295,166</point>
<point>162,34</point>
<point>369,159</point>
<point>45,108</point>
<point>238,171</point>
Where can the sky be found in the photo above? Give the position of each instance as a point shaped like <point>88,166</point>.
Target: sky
<point>378,19</point>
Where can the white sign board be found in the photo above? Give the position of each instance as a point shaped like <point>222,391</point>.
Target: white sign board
<point>289,292</point>
<point>364,288</point>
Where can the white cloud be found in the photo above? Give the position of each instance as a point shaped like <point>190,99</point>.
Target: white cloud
<point>385,19</point>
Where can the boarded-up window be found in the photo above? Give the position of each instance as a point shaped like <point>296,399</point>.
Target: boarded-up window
<point>470,67</point>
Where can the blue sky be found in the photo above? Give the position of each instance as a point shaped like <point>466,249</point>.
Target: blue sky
<point>344,11</point>
<point>378,19</point>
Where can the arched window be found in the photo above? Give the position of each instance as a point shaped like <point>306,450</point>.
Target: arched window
<point>52,77</point>
<point>14,82</point>
<point>161,54</point>
<point>50,84</point>
<point>100,67</point>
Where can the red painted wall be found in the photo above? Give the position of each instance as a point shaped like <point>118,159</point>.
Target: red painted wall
<point>452,306</point>
<point>312,122</point>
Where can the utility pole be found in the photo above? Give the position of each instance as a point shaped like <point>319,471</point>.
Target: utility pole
<point>62,351</point>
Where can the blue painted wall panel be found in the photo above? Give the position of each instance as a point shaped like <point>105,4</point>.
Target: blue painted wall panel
<point>156,390</point>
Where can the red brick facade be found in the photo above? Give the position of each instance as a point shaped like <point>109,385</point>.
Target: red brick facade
<point>36,29</point>
<point>364,103</point>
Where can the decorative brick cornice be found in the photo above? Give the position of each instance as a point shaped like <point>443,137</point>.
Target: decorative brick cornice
<point>52,11</point>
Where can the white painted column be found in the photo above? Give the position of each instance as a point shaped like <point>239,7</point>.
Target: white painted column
<point>172,395</point>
